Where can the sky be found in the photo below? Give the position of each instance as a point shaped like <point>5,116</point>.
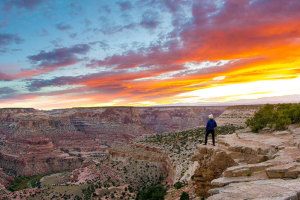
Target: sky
<point>74,53</point>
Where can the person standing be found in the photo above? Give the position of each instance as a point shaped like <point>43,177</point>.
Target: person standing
<point>210,128</point>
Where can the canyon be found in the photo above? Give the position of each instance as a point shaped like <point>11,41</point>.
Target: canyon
<point>39,142</point>
<point>113,152</point>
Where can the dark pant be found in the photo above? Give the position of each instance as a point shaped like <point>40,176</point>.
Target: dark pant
<point>213,136</point>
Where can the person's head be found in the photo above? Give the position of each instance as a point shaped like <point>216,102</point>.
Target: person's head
<point>211,116</point>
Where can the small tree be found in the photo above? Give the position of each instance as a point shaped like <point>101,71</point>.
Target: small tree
<point>184,196</point>
<point>178,185</point>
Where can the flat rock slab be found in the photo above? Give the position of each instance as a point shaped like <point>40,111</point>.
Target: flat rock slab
<point>243,170</point>
<point>220,182</point>
<point>290,170</point>
<point>259,190</point>
<point>282,133</point>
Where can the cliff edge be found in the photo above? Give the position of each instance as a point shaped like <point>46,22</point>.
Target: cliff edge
<point>247,165</point>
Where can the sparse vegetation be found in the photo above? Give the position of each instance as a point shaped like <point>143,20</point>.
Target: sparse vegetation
<point>178,185</point>
<point>23,182</point>
<point>184,196</point>
<point>277,117</point>
<point>182,145</point>
<point>155,192</point>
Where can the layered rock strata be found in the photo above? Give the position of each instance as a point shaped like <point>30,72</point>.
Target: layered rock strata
<point>212,162</point>
<point>35,156</point>
<point>36,142</point>
<point>145,153</point>
<point>237,115</point>
<point>267,166</point>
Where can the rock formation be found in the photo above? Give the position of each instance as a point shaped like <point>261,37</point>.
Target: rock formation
<point>266,166</point>
<point>108,155</point>
<point>237,115</point>
<point>38,142</point>
<point>212,163</point>
<point>148,154</point>
<point>35,156</point>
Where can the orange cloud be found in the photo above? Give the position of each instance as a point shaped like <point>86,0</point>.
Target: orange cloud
<point>258,41</point>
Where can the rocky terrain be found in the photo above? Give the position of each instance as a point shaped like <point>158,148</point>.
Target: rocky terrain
<point>237,115</point>
<point>39,142</point>
<point>103,162</point>
<point>246,165</point>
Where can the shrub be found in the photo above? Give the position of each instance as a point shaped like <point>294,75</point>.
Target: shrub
<point>155,192</point>
<point>261,118</point>
<point>281,121</point>
<point>184,196</point>
<point>178,185</point>
<point>278,117</point>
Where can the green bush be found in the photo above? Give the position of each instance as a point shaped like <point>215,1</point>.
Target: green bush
<point>155,192</point>
<point>184,196</point>
<point>23,182</point>
<point>275,116</point>
<point>178,185</point>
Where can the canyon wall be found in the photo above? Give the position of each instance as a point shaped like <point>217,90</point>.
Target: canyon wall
<point>38,142</point>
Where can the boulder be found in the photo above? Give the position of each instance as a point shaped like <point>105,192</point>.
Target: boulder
<point>212,162</point>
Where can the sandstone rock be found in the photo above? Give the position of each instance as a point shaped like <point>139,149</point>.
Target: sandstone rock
<point>294,128</point>
<point>125,153</point>
<point>246,169</point>
<point>262,189</point>
<point>261,159</point>
<point>290,170</point>
<point>212,162</point>
<point>281,132</point>
<point>220,182</point>
<point>237,115</point>
<point>35,156</point>
<point>251,148</point>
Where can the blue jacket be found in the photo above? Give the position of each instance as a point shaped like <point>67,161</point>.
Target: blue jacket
<point>211,124</point>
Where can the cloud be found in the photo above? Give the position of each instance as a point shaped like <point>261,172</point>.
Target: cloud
<point>102,79</point>
<point>102,44</point>
<point>175,5</point>
<point>6,92</point>
<point>73,35</point>
<point>257,40</point>
<point>50,61</point>
<point>238,29</point>
<point>63,27</point>
<point>27,4</point>
<point>5,77</point>
<point>6,39</point>
<point>37,84</point>
<point>232,31</point>
<point>150,19</point>
<point>125,5</point>
<point>117,29</point>
<point>59,57</point>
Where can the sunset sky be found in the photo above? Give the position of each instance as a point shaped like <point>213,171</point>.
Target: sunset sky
<point>58,54</point>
